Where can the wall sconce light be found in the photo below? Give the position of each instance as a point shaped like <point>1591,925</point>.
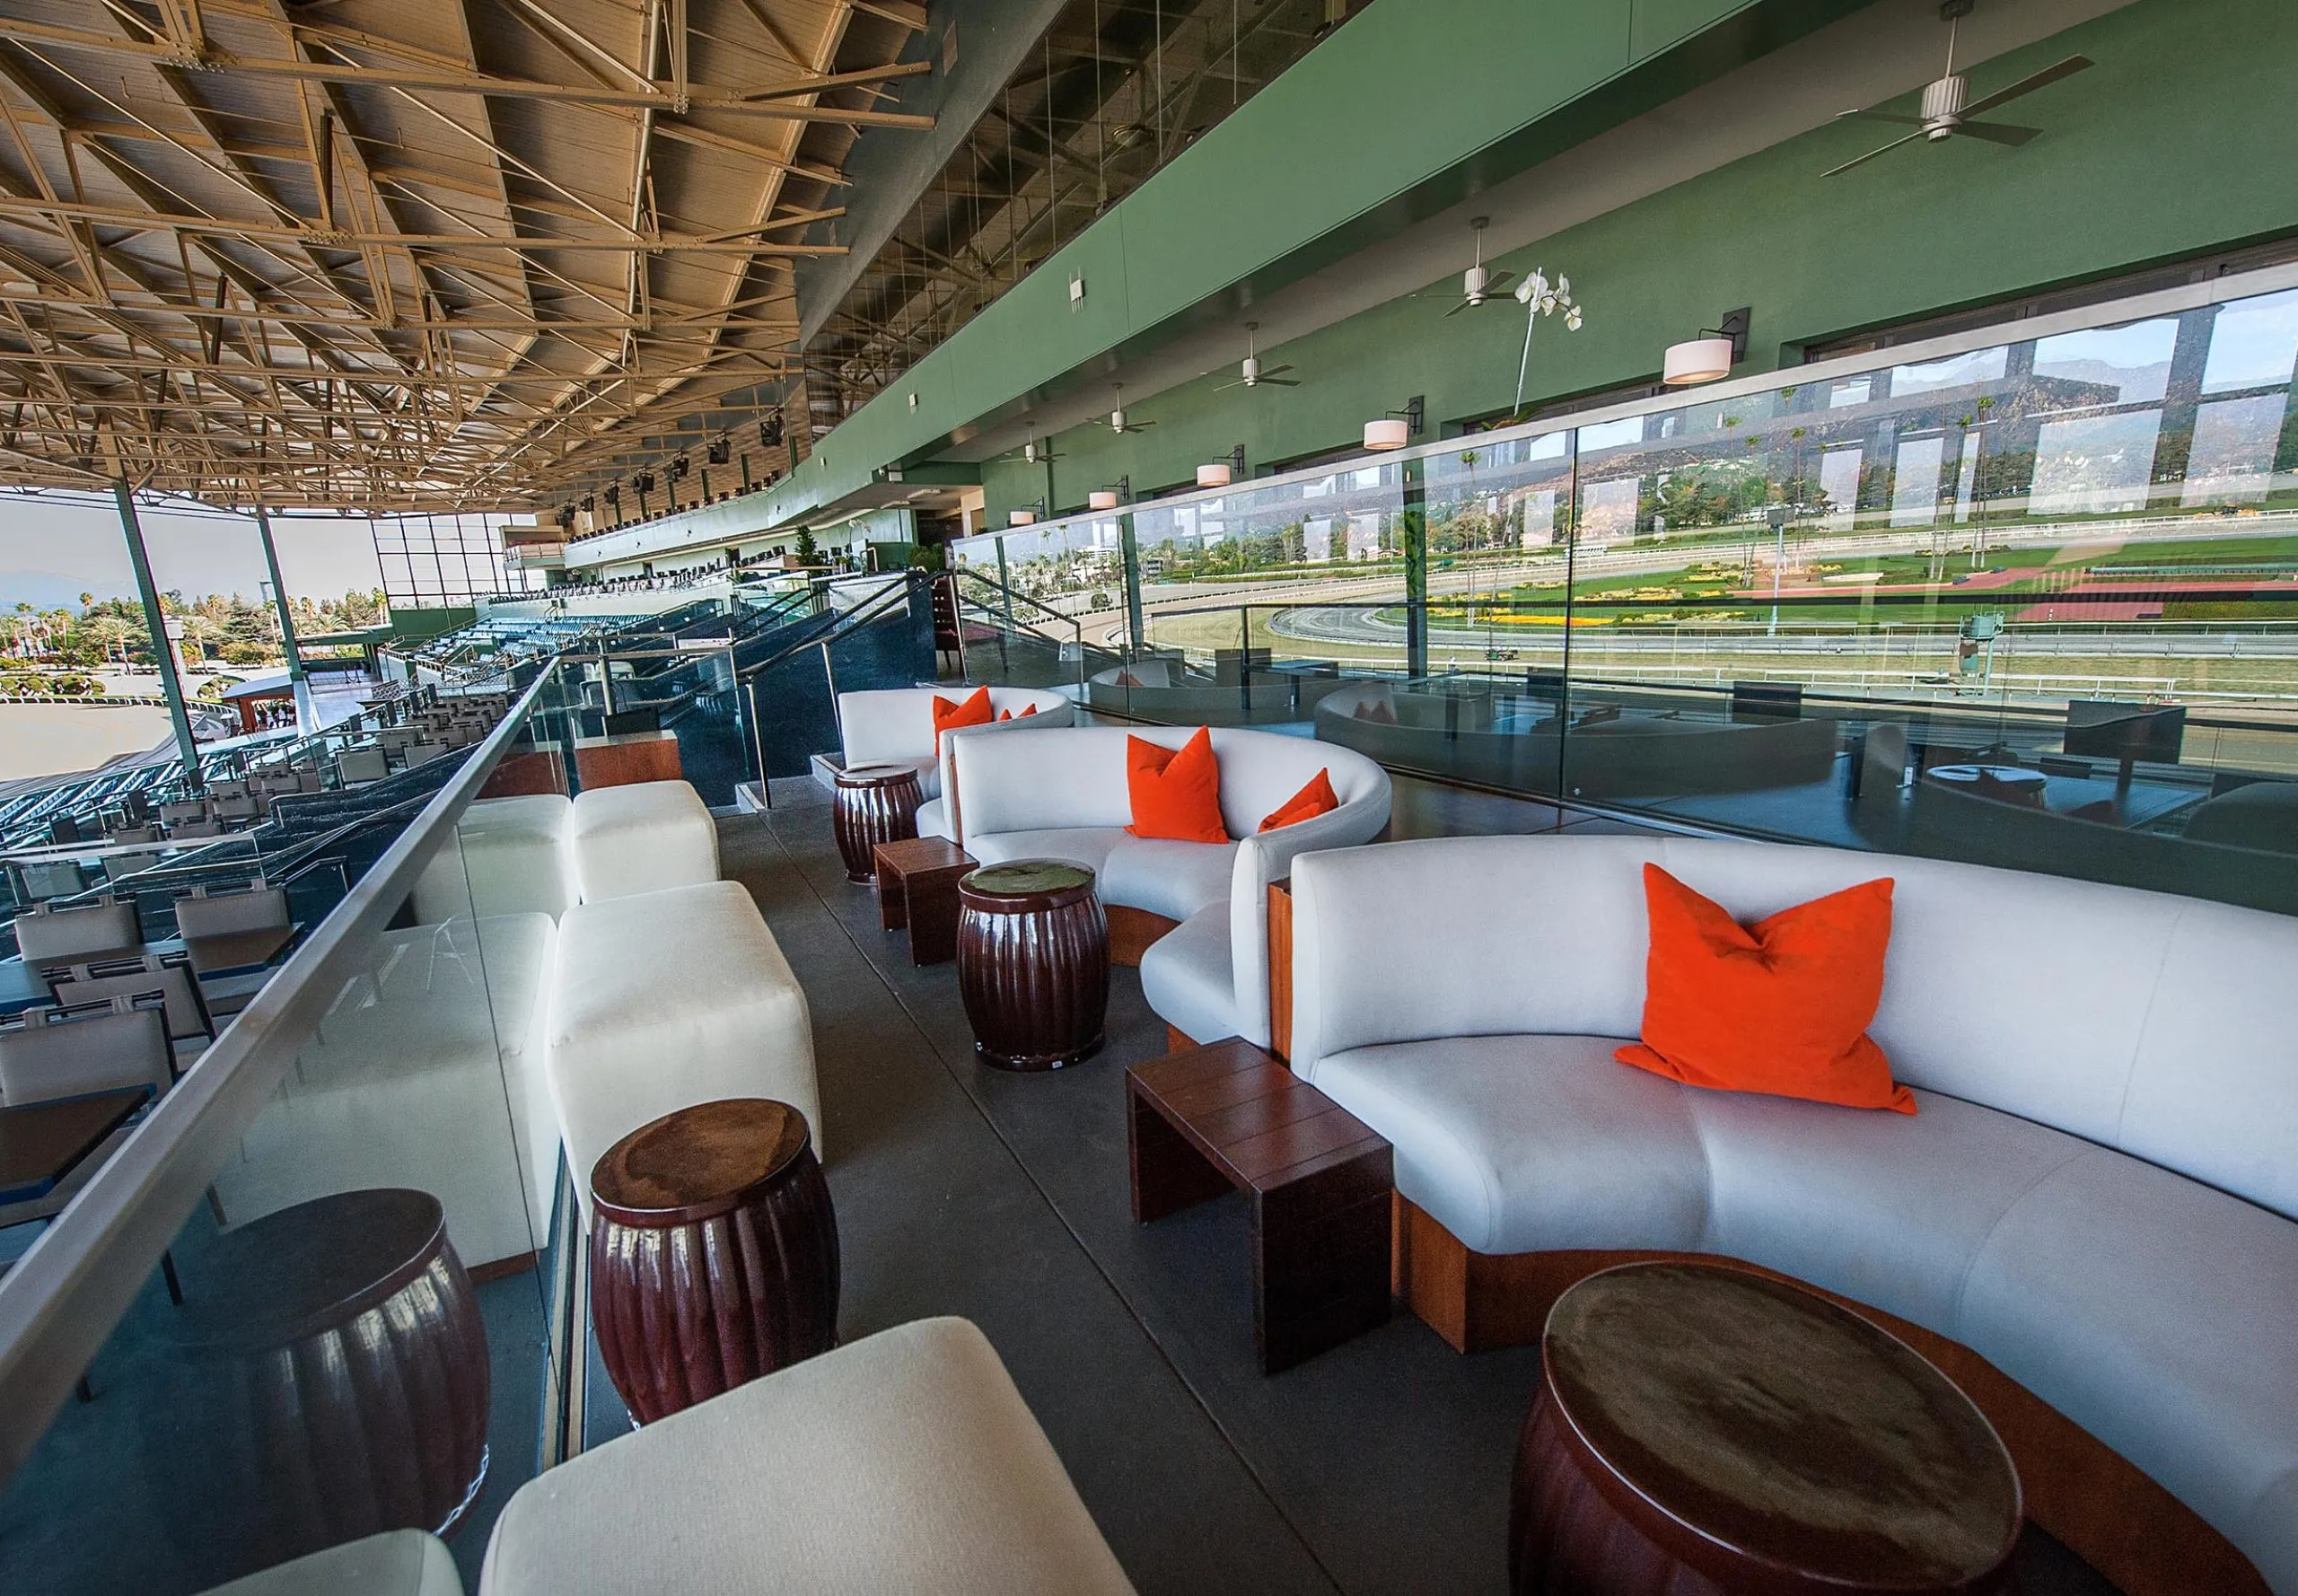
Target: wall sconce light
<point>1101,498</point>
<point>1710,356</point>
<point>1216,474</point>
<point>1021,517</point>
<point>1398,427</point>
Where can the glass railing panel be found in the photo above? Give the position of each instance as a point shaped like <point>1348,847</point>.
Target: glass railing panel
<point>351,1329</point>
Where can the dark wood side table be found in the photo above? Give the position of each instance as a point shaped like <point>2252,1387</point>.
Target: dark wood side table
<point>875,803</point>
<point>1701,1428</point>
<point>714,1253</point>
<point>1033,962</point>
<point>917,888</point>
<point>1230,1116</point>
<point>344,1343</point>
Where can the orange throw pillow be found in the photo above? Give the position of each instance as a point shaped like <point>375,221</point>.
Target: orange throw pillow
<point>1316,798</point>
<point>1176,791</point>
<point>1781,1006</point>
<point>1007,714</point>
<point>974,711</point>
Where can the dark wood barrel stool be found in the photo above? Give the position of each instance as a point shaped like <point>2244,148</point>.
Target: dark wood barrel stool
<point>1706,1429</point>
<point>1033,962</point>
<point>342,1345</point>
<point>714,1253</point>
<point>875,803</point>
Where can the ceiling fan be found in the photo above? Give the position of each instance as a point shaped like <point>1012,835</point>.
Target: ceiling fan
<point>1255,377</point>
<point>1478,285</point>
<point>1035,451</point>
<point>1947,106</point>
<point>1116,421</point>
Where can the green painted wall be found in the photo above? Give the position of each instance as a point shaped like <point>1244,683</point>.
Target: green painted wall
<point>2178,141</point>
<point>1408,92</point>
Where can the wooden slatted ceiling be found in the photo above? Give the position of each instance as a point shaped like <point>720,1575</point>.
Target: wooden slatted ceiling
<point>408,254</point>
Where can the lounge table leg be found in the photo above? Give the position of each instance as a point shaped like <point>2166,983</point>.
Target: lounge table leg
<point>1167,1173</point>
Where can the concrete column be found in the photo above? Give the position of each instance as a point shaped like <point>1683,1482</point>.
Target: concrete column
<point>170,681</point>
<point>306,717</point>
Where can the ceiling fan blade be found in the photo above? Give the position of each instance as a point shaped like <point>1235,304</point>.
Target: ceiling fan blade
<point>1466,304</point>
<point>1224,387</point>
<point>2000,133</point>
<point>1878,115</point>
<point>1497,281</point>
<point>1275,371</point>
<point>1870,155</point>
<point>1280,381</point>
<point>2028,86</point>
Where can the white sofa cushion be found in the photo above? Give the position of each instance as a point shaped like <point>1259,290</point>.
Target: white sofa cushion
<point>641,837</point>
<point>1185,977</point>
<point>934,820</point>
<point>905,1463</point>
<point>663,1000</point>
<point>508,857</point>
<point>1168,878</point>
<point>1089,845</point>
<point>396,1563</point>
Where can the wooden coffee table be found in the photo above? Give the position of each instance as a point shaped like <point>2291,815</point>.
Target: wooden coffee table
<point>714,1253</point>
<point>1230,1116</point>
<point>917,888</point>
<point>1703,1428</point>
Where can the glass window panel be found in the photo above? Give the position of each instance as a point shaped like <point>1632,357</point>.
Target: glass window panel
<point>2253,344</point>
<point>2234,444</point>
<point>1915,482</point>
<point>2107,366</point>
<point>2095,465</point>
<point>1956,371</point>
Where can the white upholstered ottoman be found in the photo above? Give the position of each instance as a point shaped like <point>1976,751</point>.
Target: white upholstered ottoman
<point>903,1464</point>
<point>508,857</point>
<point>396,1563</point>
<point>667,999</point>
<point>641,838</point>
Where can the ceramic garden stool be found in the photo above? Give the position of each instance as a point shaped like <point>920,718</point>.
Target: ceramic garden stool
<point>1702,1429</point>
<point>875,803</point>
<point>714,1253</point>
<point>1033,962</point>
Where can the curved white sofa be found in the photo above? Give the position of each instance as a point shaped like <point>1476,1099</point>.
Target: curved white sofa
<point>1063,794</point>
<point>2096,1197</point>
<point>895,726</point>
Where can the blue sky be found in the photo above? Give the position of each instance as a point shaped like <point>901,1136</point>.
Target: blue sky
<point>54,547</point>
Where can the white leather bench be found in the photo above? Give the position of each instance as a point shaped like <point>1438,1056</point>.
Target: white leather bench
<point>396,1563</point>
<point>895,726</point>
<point>2097,1197</point>
<point>508,857</point>
<point>405,1084</point>
<point>663,1000</point>
<point>641,837</point>
<point>1063,794</point>
<point>903,1464</point>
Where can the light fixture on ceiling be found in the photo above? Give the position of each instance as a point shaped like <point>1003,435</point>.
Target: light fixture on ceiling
<point>1398,427</point>
<point>1709,356</point>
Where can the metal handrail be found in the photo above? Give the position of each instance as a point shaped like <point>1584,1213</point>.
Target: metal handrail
<point>874,608</point>
<point>62,1299</point>
<point>992,582</point>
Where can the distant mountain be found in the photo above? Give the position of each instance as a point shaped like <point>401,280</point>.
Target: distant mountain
<point>50,590</point>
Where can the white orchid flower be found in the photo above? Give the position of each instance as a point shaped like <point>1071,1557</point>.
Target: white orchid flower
<point>1571,322</point>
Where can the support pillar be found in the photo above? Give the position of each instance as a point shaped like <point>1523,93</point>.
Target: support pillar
<point>1137,627</point>
<point>155,622</point>
<point>1412,534</point>
<point>306,716</point>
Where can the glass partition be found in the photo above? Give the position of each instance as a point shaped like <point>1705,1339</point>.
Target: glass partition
<point>2028,602</point>
<point>342,1144</point>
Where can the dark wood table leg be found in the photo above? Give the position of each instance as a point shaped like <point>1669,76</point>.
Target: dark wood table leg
<point>931,908</point>
<point>1320,1257</point>
<point>1168,1174</point>
<point>893,897</point>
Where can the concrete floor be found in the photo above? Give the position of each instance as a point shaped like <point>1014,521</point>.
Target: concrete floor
<point>1380,1467</point>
